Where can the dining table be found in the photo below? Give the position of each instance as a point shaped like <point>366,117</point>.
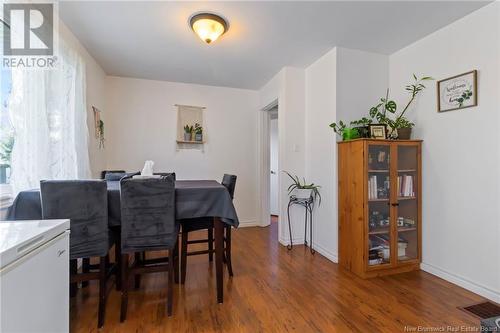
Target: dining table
<point>194,199</point>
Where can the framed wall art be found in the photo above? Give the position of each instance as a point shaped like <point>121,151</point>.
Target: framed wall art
<point>457,92</point>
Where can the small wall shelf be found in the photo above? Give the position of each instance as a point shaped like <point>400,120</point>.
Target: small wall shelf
<point>191,142</point>
<point>189,115</point>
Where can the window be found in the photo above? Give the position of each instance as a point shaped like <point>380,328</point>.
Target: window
<point>6,129</point>
<point>43,111</point>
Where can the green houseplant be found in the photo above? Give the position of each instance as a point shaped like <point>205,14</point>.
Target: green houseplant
<point>302,190</point>
<point>347,133</point>
<point>188,132</point>
<point>399,126</point>
<point>198,132</point>
<point>100,134</point>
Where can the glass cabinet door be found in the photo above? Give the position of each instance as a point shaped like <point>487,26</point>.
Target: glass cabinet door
<point>379,219</point>
<point>407,202</point>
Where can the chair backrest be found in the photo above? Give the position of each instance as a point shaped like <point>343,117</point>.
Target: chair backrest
<point>165,174</point>
<point>148,214</point>
<point>85,204</point>
<point>229,181</point>
<point>104,172</point>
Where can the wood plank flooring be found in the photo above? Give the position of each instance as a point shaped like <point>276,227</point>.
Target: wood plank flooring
<point>274,290</point>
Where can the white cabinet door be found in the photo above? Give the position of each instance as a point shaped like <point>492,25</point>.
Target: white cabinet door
<point>34,290</point>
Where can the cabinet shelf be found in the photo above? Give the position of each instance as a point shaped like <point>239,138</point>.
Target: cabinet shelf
<point>378,200</point>
<point>191,142</point>
<point>387,230</point>
<point>377,171</point>
<point>406,198</point>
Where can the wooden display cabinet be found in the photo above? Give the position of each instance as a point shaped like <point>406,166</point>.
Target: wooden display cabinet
<point>379,206</point>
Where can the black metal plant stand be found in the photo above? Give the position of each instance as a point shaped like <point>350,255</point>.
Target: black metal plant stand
<point>308,204</point>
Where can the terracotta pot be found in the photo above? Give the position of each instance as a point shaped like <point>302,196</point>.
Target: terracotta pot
<point>404,133</point>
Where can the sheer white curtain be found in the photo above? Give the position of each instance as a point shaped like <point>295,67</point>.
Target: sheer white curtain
<point>48,112</point>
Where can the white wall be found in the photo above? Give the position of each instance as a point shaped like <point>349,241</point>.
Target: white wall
<point>461,151</point>
<point>96,90</point>
<point>321,149</point>
<point>288,87</point>
<point>363,78</point>
<point>341,85</point>
<point>143,122</point>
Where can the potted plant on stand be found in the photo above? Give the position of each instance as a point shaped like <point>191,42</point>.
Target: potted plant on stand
<point>188,133</point>
<point>302,190</point>
<point>198,132</point>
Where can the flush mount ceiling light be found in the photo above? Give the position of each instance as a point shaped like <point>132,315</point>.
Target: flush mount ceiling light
<point>208,26</point>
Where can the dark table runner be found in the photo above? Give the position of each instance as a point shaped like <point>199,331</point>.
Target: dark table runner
<point>194,198</point>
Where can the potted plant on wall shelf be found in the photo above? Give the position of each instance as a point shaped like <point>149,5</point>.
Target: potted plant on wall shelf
<point>198,132</point>
<point>302,190</point>
<point>188,133</point>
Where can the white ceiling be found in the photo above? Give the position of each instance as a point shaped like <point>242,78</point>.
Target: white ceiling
<point>152,40</point>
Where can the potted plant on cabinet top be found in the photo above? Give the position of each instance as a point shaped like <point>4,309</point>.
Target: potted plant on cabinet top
<point>198,132</point>
<point>399,126</point>
<point>347,133</point>
<point>188,133</point>
<point>302,190</point>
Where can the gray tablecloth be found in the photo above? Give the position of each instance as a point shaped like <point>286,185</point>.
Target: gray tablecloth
<point>194,198</point>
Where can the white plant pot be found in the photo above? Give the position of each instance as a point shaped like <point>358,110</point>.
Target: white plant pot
<point>303,193</point>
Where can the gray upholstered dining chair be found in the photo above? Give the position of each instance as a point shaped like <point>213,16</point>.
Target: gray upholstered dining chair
<point>148,224</point>
<point>85,204</point>
<point>206,223</point>
<point>104,173</point>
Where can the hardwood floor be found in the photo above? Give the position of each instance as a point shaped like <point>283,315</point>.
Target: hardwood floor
<point>274,290</point>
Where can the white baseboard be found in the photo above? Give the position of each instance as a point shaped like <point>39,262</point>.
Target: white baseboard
<point>296,241</point>
<point>320,249</point>
<point>249,223</point>
<point>486,292</point>
<point>332,256</point>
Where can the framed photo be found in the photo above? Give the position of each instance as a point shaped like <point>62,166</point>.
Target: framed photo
<point>457,92</point>
<point>378,132</point>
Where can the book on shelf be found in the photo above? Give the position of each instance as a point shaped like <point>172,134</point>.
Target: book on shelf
<point>405,186</point>
<point>374,192</point>
<point>372,187</point>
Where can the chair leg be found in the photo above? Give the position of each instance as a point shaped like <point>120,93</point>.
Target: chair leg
<point>73,271</point>
<point>170,291</point>
<point>184,240</point>
<point>102,291</point>
<point>124,285</point>
<point>85,269</point>
<point>137,279</point>
<point>118,263</point>
<point>210,244</point>
<point>228,250</point>
<point>176,261</point>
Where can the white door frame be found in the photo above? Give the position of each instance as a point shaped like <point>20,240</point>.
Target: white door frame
<point>265,166</point>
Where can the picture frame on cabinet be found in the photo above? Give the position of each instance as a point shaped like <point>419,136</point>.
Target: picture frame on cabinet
<point>378,131</point>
